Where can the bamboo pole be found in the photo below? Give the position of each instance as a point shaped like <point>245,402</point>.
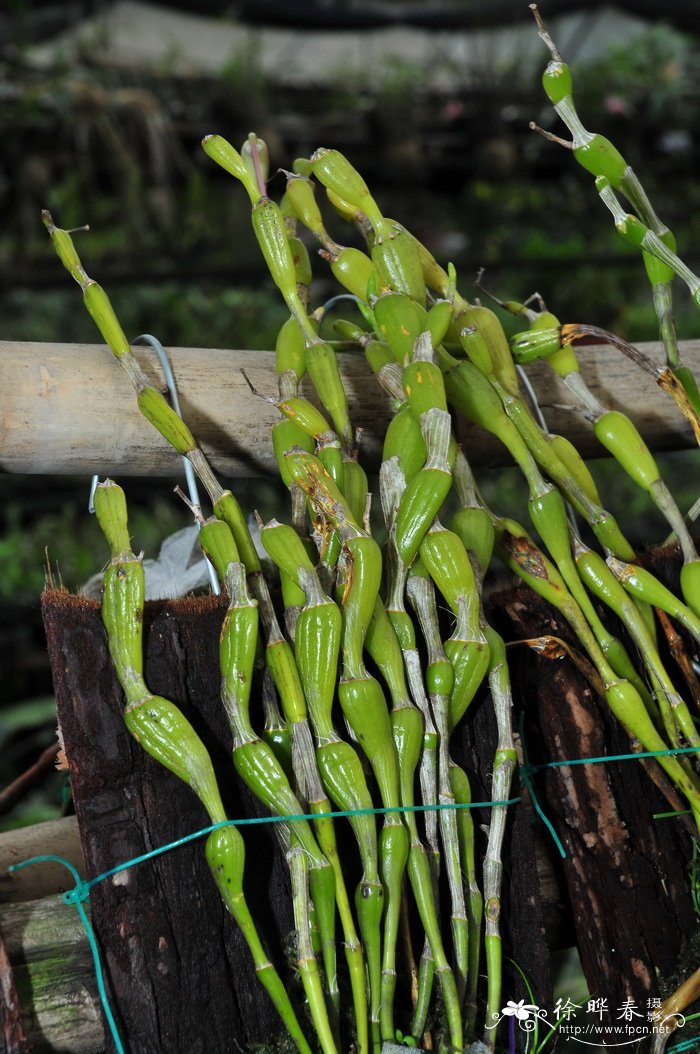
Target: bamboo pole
<point>54,976</point>
<point>69,409</point>
<point>59,837</point>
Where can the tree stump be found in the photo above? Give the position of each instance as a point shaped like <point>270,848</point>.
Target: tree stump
<point>178,973</point>
<point>626,872</point>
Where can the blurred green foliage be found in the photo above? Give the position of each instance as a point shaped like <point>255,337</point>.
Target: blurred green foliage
<point>653,73</point>
<point>72,542</point>
<point>27,728</point>
<point>172,234</point>
<point>179,316</point>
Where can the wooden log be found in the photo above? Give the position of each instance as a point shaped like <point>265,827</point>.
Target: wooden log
<point>127,804</point>
<point>54,977</point>
<point>178,971</point>
<point>12,1034</point>
<point>57,837</point>
<point>626,873</point>
<point>69,408</point>
<point>60,1006</point>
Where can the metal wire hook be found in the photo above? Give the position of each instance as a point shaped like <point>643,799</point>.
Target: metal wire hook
<point>325,308</point>
<point>338,297</point>
<point>190,479</point>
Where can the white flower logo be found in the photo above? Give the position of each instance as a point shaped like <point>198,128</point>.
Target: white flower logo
<point>521,1010</point>
<point>524,1013</point>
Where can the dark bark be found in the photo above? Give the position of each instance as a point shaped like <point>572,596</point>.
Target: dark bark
<point>626,872</point>
<point>178,972</point>
<point>522,914</point>
<point>13,1039</point>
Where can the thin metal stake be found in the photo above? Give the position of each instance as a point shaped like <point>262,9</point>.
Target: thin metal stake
<point>190,479</point>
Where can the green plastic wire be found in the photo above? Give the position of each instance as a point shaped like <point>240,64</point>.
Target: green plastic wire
<point>527,771</point>
<point>687,1044</point>
<point>81,890</point>
<point>77,903</point>
<point>80,893</point>
<point>621,757</point>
